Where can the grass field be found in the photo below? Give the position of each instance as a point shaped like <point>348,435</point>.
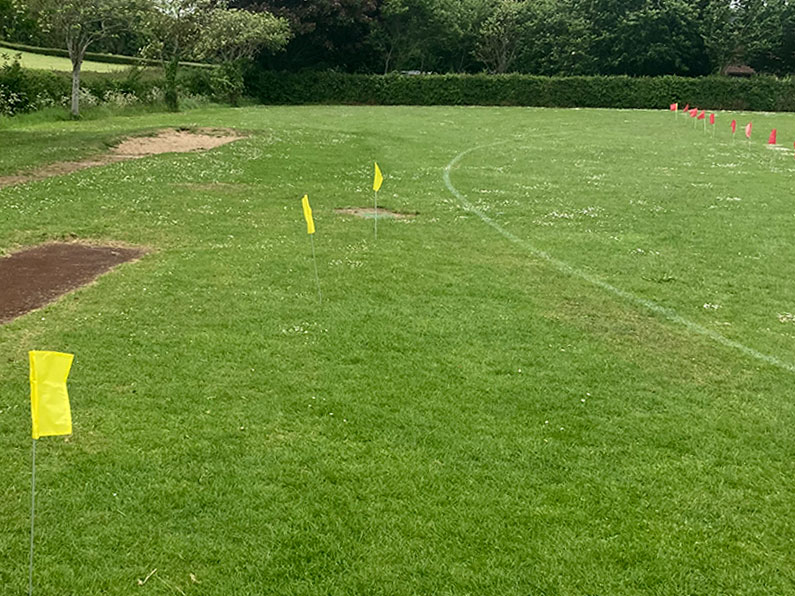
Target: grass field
<point>42,62</point>
<point>580,385</point>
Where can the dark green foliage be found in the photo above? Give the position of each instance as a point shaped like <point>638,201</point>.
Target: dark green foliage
<point>23,90</point>
<point>326,33</point>
<point>542,37</point>
<point>16,23</point>
<point>757,93</point>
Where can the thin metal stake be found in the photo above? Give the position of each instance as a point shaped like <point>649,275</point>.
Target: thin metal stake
<point>317,278</point>
<point>32,517</point>
<point>375,219</point>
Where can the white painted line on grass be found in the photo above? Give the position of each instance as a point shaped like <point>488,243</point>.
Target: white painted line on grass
<point>564,267</point>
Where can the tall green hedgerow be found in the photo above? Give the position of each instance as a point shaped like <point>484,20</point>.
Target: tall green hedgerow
<point>762,93</point>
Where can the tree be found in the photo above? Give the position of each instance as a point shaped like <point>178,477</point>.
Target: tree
<point>754,32</point>
<point>79,23</point>
<point>403,33</point>
<point>659,40</point>
<point>326,33</point>
<point>645,37</point>
<point>498,42</point>
<point>435,35</point>
<point>173,28</point>
<point>765,31</point>
<point>556,40</point>
<point>720,35</point>
<point>234,36</point>
<point>786,47</point>
<point>183,29</point>
<point>459,24</point>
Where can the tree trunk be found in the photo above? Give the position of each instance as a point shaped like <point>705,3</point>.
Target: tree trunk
<point>77,64</point>
<point>171,92</point>
<point>387,60</point>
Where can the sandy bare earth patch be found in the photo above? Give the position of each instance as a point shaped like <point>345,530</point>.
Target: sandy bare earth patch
<point>370,213</point>
<point>165,141</point>
<point>37,276</point>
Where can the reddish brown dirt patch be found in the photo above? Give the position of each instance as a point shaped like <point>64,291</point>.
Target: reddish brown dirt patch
<point>370,213</point>
<point>165,141</point>
<point>34,277</point>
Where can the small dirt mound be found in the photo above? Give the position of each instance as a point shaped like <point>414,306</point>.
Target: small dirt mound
<point>370,213</point>
<point>164,141</point>
<point>37,276</point>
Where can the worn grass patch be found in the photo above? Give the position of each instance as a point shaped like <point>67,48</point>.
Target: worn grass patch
<point>132,147</point>
<point>461,415</point>
<point>372,213</point>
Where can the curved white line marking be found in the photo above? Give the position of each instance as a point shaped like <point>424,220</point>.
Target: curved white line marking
<point>564,267</point>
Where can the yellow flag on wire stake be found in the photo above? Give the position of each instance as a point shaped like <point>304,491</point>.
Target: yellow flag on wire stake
<point>310,229</point>
<point>49,410</point>
<point>310,223</point>
<point>378,179</point>
<point>49,401</point>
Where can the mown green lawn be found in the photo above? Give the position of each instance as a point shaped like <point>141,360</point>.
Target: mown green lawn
<point>42,62</point>
<point>591,394</point>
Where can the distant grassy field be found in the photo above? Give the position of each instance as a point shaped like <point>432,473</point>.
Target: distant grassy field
<point>42,62</point>
<point>570,374</point>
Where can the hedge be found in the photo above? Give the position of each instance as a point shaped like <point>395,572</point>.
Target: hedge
<point>761,93</point>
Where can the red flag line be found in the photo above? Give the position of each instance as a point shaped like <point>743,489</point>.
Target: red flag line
<point>697,114</point>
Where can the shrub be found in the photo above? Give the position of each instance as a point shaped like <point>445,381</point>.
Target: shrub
<point>24,90</point>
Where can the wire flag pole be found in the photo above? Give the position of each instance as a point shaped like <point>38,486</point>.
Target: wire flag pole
<point>378,179</point>
<point>50,415</point>
<point>32,517</point>
<point>375,211</point>
<point>317,277</point>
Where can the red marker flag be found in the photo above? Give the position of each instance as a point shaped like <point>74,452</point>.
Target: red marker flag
<point>734,126</point>
<point>771,140</point>
<point>674,107</point>
<point>702,115</point>
<point>748,131</point>
<point>693,113</point>
<point>712,118</point>
<point>687,107</point>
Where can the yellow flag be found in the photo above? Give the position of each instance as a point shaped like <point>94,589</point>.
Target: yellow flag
<point>310,223</point>
<point>49,401</point>
<point>378,178</point>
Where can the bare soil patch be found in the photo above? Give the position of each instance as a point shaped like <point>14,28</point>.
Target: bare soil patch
<point>370,213</point>
<point>175,141</point>
<point>37,276</point>
<point>165,141</point>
